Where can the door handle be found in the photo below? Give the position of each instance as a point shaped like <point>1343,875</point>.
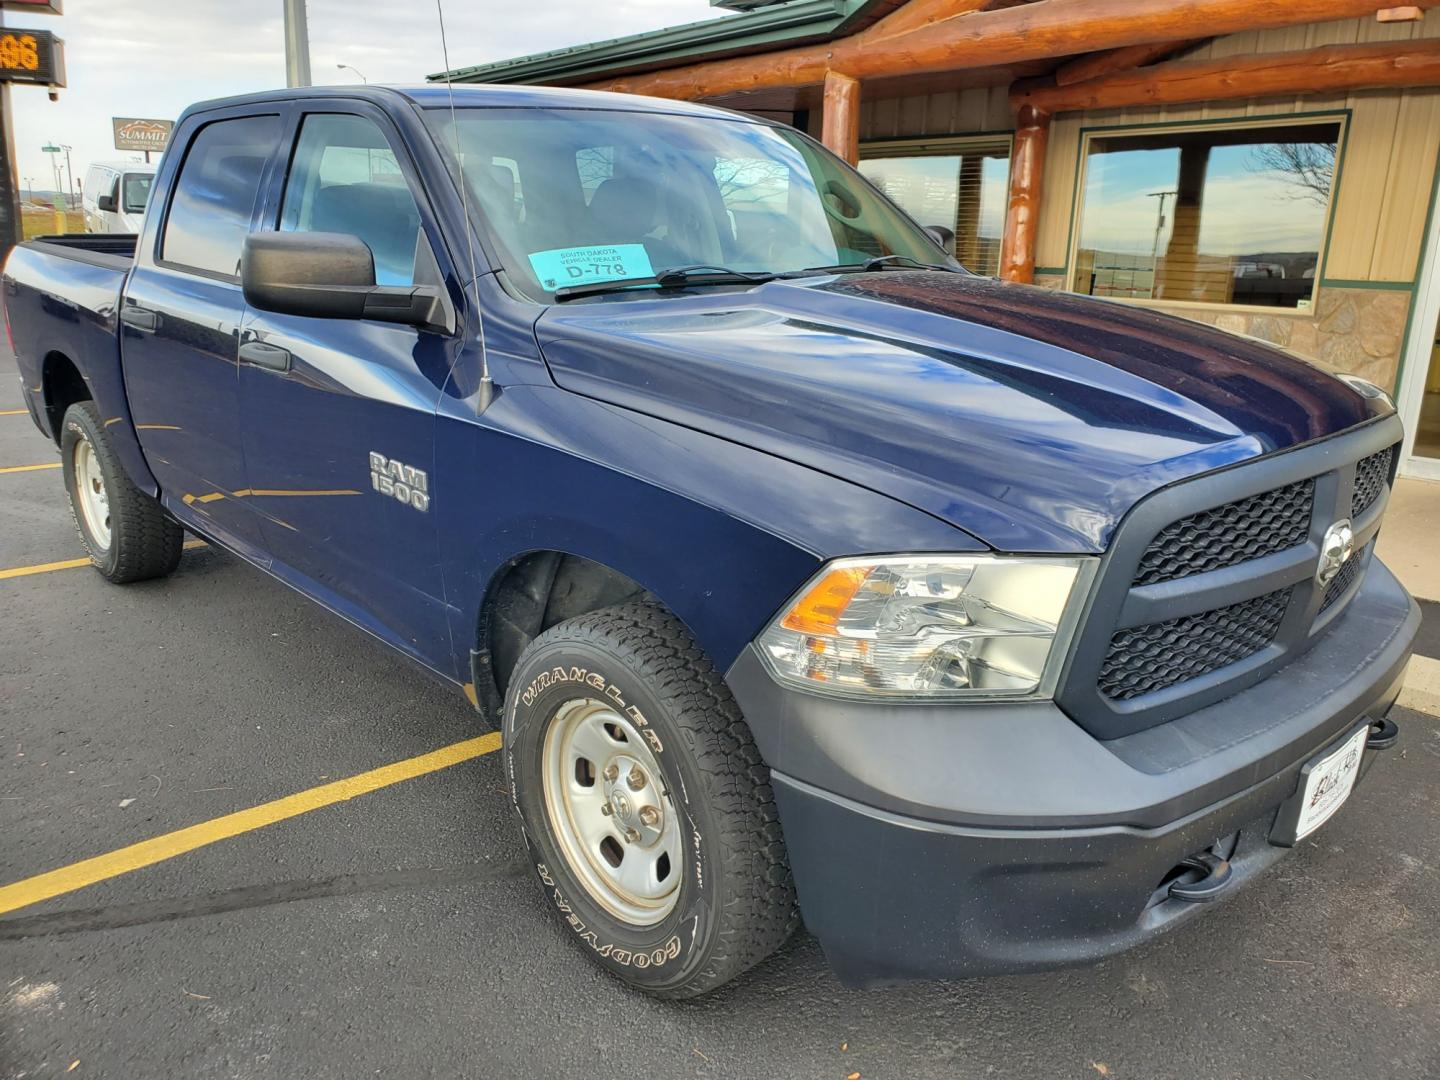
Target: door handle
<point>140,318</point>
<point>267,356</point>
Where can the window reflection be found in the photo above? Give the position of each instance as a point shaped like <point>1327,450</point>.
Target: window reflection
<point>1228,216</point>
<point>960,191</point>
<point>215,195</point>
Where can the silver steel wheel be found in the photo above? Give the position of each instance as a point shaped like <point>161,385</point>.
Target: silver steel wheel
<point>610,809</point>
<point>90,493</point>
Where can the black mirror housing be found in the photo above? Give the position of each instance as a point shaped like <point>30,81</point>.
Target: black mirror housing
<point>943,236</point>
<point>106,204</point>
<point>330,276</point>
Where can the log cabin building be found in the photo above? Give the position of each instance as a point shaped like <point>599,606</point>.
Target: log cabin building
<point>1270,168</point>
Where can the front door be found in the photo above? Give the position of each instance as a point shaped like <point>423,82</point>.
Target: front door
<point>180,325</point>
<point>339,414</point>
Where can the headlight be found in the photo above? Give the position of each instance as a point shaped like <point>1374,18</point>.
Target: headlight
<point>928,626</point>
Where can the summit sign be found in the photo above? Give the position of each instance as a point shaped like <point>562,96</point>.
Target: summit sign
<point>136,134</point>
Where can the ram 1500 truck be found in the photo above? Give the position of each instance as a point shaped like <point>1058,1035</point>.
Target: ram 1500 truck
<point>989,628</point>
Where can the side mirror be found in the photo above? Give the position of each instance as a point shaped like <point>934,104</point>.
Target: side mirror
<point>106,204</point>
<point>942,236</point>
<point>331,276</point>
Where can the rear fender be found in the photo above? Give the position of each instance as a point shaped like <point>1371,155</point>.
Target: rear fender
<point>67,308</point>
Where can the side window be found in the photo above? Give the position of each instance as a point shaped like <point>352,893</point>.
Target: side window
<point>345,179</point>
<point>215,194</point>
<point>137,192</point>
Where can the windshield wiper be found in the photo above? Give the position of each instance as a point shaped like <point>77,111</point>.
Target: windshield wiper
<point>879,262</point>
<point>906,262</point>
<point>670,278</point>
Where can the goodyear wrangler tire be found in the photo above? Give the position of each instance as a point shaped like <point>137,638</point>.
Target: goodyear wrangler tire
<point>644,802</point>
<point>126,533</point>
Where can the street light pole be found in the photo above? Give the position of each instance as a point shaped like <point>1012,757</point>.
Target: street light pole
<point>357,71</point>
<point>297,44</point>
<point>69,177</point>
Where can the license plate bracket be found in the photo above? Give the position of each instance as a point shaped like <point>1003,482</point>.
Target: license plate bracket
<point>1326,781</point>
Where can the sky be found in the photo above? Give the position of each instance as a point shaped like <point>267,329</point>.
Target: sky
<point>1247,208</point>
<point>151,58</point>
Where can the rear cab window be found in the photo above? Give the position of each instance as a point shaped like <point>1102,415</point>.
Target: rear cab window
<point>215,195</point>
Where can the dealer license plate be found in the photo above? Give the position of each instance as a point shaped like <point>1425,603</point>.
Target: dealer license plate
<point>1330,782</point>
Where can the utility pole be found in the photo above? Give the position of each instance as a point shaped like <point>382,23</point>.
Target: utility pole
<point>69,177</point>
<point>34,57</point>
<point>297,44</point>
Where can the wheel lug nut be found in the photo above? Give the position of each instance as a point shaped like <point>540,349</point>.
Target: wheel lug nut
<point>636,779</point>
<point>612,772</point>
<point>649,815</point>
<point>606,809</point>
<point>632,836</point>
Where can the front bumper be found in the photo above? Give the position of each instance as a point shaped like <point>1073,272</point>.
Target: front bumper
<point>945,841</point>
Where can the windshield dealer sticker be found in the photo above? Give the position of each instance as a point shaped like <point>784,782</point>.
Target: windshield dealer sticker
<point>559,267</point>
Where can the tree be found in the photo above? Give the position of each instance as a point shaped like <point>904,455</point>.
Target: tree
<point>1309,167</point>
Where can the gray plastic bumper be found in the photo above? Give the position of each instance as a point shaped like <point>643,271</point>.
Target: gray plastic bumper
<point>933,841</point>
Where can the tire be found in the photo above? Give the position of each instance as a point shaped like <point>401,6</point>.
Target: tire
<point>142,542</point>
<point>731,900</point>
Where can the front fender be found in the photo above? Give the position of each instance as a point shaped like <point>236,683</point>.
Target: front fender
<point>720,533</point>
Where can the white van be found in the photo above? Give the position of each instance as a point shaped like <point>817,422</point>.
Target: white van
<point>115,194</point>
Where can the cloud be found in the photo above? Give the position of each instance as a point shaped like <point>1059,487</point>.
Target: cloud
<point>1244,211</point>
<point>152,58</point>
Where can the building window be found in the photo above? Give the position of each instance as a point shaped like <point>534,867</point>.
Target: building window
<point>1229,215</point>
<point>958,186</point>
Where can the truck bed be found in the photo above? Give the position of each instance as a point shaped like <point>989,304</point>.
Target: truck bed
<point>113,250</point>
<point>62,299</point>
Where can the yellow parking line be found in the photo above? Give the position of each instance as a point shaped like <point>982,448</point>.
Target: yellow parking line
<point>30,468</point>
<point>12,412</point>
<point>66,564</point>
<point>68,879</point>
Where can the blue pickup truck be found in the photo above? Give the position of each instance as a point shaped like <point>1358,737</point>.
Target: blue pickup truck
<point>986,627</point>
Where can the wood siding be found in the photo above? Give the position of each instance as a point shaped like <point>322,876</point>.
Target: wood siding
<point>1385,176</point>
<point>959,112</point>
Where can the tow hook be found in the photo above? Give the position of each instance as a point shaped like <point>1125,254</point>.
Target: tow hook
<point>1215,879</point>
<point>1384,733</point>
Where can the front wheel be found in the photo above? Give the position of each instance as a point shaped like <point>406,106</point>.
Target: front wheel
<point>644,802</point>
<point>127,534</point>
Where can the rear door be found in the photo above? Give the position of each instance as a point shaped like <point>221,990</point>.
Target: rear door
<point>180,324</point>
<point>339,414</point>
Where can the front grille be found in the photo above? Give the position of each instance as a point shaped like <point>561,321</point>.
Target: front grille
<point>1371,475</point>
<point>1236,550</point>
<point>1144,659</point>
<point>1229,535</point>
<point>1342,581</point>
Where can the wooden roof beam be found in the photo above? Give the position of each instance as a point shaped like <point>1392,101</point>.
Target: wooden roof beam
<point>1326,70</point>
<point>1098,64</point>
<point>1050,28</point>
<point>920,13</point>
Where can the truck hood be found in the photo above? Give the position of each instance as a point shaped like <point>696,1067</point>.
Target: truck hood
<point>1031,419</point>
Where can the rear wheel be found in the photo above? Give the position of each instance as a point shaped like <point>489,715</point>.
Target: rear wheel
<point>644,802</point>
<point>126,533</point>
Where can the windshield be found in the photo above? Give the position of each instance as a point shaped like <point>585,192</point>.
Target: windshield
<point>136,187</point>
<point>574,196</point>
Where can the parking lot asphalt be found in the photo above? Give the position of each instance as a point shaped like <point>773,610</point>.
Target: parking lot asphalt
<point>399,933</point>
